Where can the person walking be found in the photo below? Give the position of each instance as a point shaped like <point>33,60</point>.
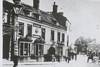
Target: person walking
<point>67,57</point>
<point>90,56</point>
<point>75,53</point>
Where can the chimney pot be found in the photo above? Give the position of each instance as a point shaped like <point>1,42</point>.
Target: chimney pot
<point>55,8</point>
<point>36,4</point>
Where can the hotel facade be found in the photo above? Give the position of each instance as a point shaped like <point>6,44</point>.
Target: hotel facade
<point>23,25</point>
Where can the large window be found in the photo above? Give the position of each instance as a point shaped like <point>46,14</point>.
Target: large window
<point>29,29</point>
<point>43,33</point>
<point>39,49</point>
<point>52,35</point>
<point>58,36</point>
<point>24,49</point>
<point>63,37</point>
<point>21,28</point>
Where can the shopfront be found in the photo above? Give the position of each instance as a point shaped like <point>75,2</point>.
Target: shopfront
<point>24,50</point>
<point>38,49</point>
<point>60,50</point>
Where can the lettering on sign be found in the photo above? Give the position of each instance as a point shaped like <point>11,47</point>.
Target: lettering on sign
<point>35,36</point>
<point>37,25</point>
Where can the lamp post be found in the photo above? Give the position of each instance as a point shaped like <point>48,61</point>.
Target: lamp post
<point>14,15</point>
<point>68,31</point>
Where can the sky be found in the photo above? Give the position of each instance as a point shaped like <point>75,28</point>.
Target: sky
<point>84,16</point>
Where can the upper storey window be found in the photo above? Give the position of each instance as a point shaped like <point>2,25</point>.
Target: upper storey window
<point>52,35</point>
<point>29,29</point>
<point>21,28</point>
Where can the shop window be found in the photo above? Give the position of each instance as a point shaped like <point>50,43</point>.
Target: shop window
<point>21,28</point>
<point>24,49</point>
<point>58,36</point>
<point>63,37</point>
<point>26,12</point>
<point>21,49</point>
<point>52,35</point>
<point>29,29</point>
<point>39,49</point>
<point>43,33</point>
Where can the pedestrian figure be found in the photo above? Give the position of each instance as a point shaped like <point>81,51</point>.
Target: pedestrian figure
<point>75,53</point>
<point>68,55</point>
<point>90,56</point>
<point>15,61</point>
<point>72,54</point>
<point>53,58</point>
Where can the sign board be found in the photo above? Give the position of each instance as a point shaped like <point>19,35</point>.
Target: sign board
<point>35,36</point>
<point>36,25</point>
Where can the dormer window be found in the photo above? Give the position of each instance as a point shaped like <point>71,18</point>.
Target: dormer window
<point>36,16</point>
<point>57,24</point>
<point>40,17</point>
<point>31,14</point>
<point>53,20</point>
<point>26,12</point>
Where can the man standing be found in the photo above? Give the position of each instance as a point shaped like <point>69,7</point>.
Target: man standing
<point>15,61</point>
<point>90,56</point>
<point>67,56</point>
<point>75,53</point>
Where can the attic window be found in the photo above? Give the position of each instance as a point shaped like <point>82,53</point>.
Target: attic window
<point>36,16</point>
<point>57,24</point>
<point>54,21</point>
<point>27,12</point>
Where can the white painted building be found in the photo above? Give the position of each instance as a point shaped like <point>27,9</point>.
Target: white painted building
<point>30,24</point>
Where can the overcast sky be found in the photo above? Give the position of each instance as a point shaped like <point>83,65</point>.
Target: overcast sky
<point>83,14</point>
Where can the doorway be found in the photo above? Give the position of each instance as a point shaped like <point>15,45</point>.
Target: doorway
<point>6,44</point>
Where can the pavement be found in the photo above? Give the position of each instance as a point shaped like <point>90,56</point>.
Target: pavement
<point>80,62</point>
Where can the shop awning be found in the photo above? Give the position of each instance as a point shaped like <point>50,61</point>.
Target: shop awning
<point>39,40</point>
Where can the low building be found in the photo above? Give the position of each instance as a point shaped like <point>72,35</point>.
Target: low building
<point>24,25</point>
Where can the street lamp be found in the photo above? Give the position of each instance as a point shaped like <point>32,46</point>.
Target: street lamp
<point>14,14</point>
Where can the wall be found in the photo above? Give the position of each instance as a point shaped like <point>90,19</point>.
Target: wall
<point>47,32</point>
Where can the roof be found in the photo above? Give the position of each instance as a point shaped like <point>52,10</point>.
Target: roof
<point>46,18</point>
<point>60,18</point>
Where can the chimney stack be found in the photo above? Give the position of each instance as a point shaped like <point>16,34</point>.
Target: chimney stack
<point>36,4</point>
<point>55,8</point>
<point>17,1</point>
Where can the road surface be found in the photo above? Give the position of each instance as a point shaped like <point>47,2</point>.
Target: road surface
<point>80,62</point>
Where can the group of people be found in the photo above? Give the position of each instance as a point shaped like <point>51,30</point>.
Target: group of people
<point>91,56</point>
<point>71,54</point>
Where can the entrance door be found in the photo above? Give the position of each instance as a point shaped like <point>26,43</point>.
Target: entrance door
<point>6,43</point>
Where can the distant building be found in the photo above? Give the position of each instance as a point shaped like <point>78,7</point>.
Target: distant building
<point>24,24</point>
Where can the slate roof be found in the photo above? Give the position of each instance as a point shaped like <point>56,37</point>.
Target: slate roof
<point>46,18</point>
